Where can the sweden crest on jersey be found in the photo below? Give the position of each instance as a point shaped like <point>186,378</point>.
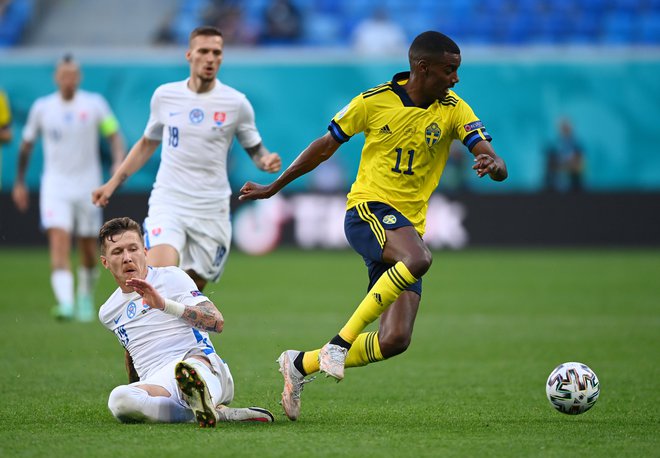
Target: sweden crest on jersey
<point>432,134</point>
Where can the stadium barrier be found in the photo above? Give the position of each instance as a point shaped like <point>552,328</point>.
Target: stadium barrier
<point>454,222</point>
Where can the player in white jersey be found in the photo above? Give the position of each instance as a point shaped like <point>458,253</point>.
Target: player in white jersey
<point>69,122</point>
<point>163,320</point>
<point>196,121</point>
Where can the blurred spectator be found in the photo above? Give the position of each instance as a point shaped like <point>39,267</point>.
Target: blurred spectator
<point>282,23</point>
<point>379,35</point>
<point>564,161</point>
<point>14,17</point>
<point>227,15</point>
<point>165,33</point>
<point>5,124</point>
<point>454,176</point>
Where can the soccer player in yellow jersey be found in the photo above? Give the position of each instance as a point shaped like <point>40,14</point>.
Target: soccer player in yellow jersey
<point>409,124</point>
<point>5,124</point>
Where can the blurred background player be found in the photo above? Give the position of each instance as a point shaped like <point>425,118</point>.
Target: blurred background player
<point>196,120</point>
<point>565,161</point>
<point>163,321</point>
<point>409,124</point>
<point>69,122</point>
<point>5,125</point>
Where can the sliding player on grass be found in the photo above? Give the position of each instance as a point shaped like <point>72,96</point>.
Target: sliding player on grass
<point>409,124</point>
<point>163,320</point>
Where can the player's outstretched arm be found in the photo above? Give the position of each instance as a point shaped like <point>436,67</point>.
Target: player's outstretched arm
<point>487,162</point>
<point>318,151</point>
<point>204,316</point>
<point>137,157</point>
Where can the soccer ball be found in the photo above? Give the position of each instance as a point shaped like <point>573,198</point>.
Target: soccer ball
<point>572,388</point>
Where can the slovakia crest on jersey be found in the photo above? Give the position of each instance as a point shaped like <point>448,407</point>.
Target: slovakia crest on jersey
<point>156,231</point>
<point>131,309</point>
<point>219,118</point>
<point>196,116</point>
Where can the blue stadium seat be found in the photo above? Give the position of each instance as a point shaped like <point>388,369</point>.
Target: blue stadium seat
<point>648,29</point>
<point>16,16</point>
<point>617,29</point>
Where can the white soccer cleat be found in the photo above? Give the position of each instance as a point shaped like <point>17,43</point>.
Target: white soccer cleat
<point>195,392</point>
<point>332,359</point>
<point>293,384</point>
<point>258,414</point>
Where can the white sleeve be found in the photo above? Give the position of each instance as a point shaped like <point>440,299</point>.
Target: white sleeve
<point>154,129</point>
<point>33,123</point>
<point>103,107</point>
<point>181,288</point>
<point>246,131</point>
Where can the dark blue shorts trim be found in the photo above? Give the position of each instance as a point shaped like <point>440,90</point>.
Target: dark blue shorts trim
<point>365,226</point>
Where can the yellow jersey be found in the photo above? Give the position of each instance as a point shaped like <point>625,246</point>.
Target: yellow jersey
<point>5,121</point>
<point>406,147</point>
<point>5,112</point>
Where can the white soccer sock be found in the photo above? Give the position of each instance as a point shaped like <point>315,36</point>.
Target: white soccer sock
<point>131,404</point>
<point>212,382</point>
<point>62,282</point>
<point>87,280</point>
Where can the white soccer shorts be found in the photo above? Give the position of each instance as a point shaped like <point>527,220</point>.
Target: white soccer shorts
<point>165,377</point>
<point>71,213</point>
<point>203,244</point>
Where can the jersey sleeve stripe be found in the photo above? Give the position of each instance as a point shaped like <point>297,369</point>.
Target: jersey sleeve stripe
<point>337,133</point>
<point>475,137</point>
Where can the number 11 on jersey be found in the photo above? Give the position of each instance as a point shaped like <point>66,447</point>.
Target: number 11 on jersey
<point>399,153</point>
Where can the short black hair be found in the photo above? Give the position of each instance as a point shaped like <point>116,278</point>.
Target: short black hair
<point>429,44</point>
<point>117,226</point>
<point>205,30</point>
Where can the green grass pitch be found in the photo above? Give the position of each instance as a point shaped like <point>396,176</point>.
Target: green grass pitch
<point>491,327</point>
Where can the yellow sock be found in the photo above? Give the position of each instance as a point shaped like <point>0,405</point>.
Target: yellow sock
<point>364,350</point>
<point>310,361</point>
<point>384,292</point>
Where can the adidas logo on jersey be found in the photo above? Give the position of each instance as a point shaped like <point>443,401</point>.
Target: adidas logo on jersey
<point>378,299</point>
<point>385,129</point>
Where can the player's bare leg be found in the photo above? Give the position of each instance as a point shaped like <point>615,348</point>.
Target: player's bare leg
<point>59,245</point>
<point>396,324</point>
<point>162,256</point>
<point>87,274</point>
<point>410,259</point>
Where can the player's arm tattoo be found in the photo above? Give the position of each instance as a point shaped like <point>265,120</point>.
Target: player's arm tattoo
<point>257,153</point>
<point>204,316</point>
<point>130,369</point>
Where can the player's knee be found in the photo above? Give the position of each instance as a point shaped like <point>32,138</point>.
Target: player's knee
<point>124,403</point>
<point>394,344</point>
<point>418,263</point>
